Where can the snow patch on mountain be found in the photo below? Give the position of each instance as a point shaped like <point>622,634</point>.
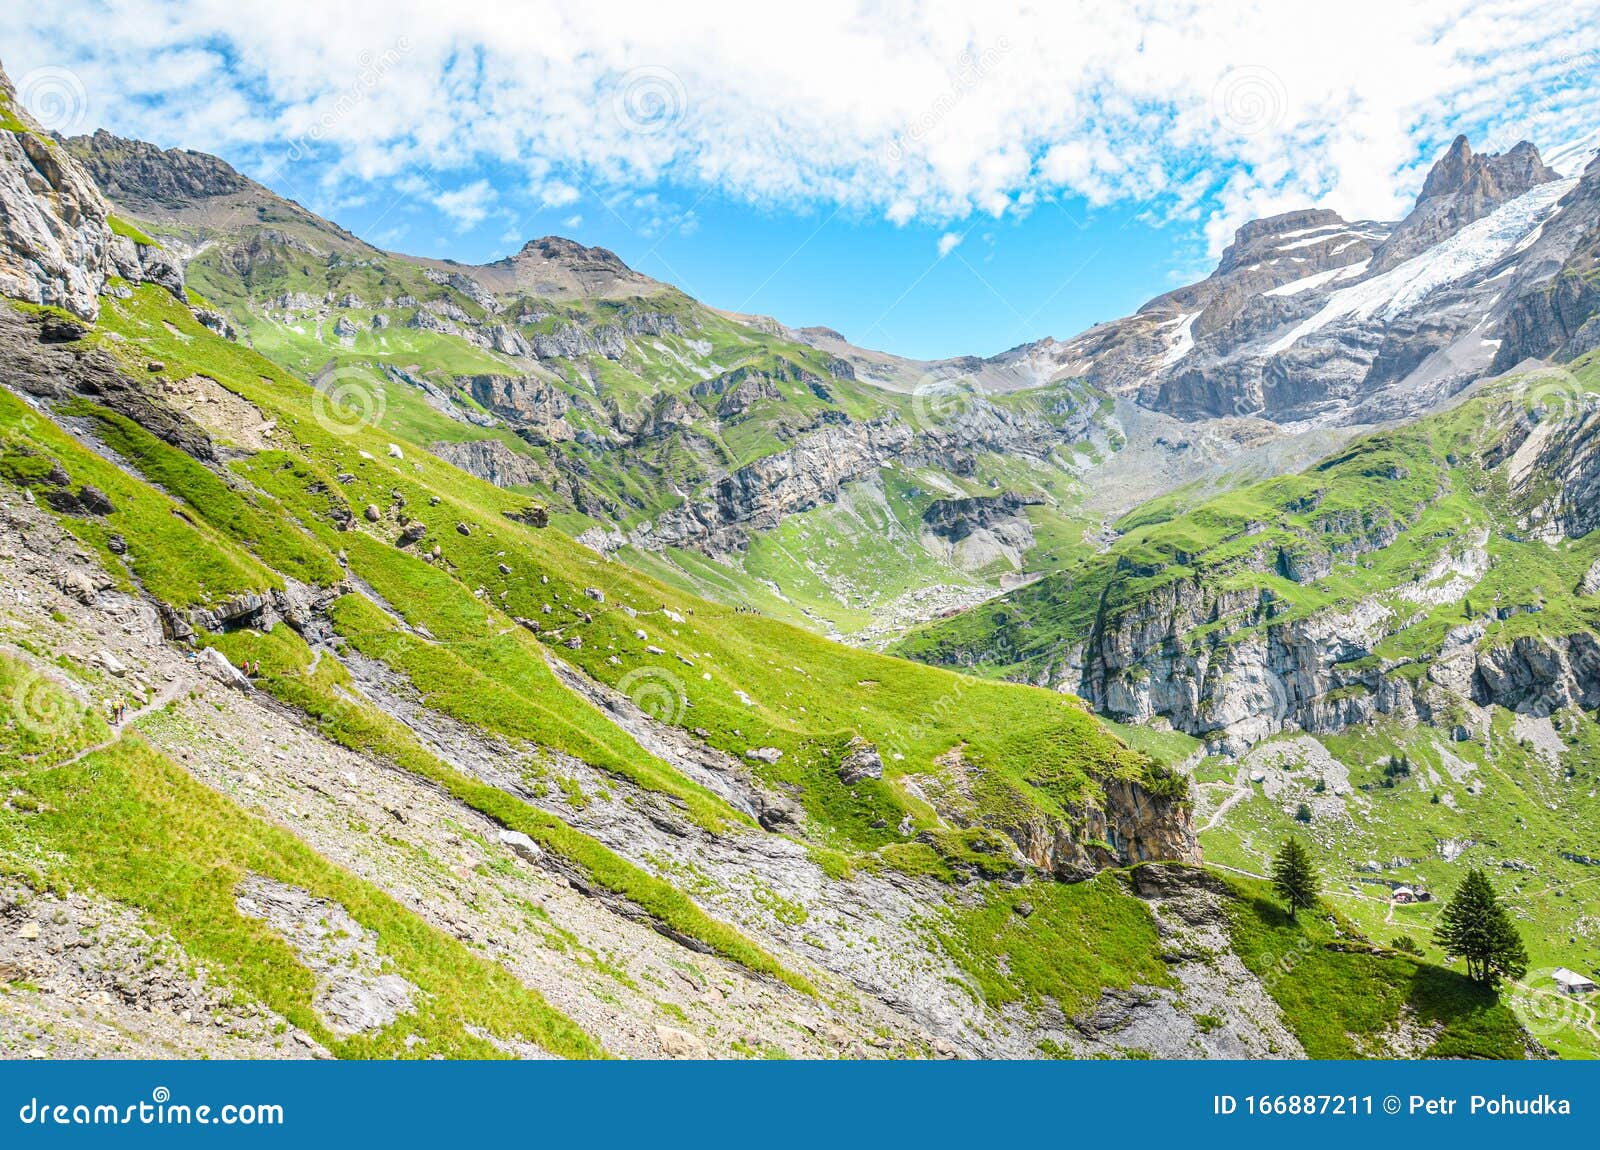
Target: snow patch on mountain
<point>1571,159</point>
<point>1185,340</point>
<point>1507,229</point>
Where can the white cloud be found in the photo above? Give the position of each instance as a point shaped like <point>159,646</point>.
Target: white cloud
<point>573,222</point>
<point>949,242</point>
<point>468,206</point>
<point>912,112</point>
<point>557,194</point>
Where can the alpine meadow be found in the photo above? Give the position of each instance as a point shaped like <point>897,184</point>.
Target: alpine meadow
<point>507,653</point>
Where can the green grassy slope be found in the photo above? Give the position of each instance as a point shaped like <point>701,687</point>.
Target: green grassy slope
<point>1374,518</point>
<point>645,427</point>
<point>448,625</point>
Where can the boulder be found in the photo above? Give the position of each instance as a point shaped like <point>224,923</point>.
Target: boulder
<point>521,845</point>
<point>214,664</point>
<point>680,1043</point>
<point>95,501</point>
<point>861,761</point>
<point>77,585</point>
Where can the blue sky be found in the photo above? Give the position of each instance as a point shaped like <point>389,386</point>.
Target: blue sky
<point>935,178</point>
<point>1062,267</point>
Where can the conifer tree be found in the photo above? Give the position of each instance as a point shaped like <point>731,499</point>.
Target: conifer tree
<point>1295,877</point>
<point>1477,928</point>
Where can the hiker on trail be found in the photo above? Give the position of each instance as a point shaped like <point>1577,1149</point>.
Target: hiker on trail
<point>255,669</point>
<point>118,707</point>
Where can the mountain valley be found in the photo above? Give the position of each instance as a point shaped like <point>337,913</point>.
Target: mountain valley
<point>527,659</point>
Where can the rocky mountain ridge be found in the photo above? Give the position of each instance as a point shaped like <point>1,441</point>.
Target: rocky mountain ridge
<point>417,775</point>
<point>1404,577</point>
<point>658,424</point>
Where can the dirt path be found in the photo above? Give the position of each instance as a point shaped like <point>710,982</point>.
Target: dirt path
<point>161,698</point>
<point>1241,790</point>
<point>158,700</point>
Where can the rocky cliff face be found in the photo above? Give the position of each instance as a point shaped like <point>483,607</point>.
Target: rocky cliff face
<point>1461,188</point>
<point>57,246</point>
<point>1555,318</point>
<point>1129,827</point>
<point>1222,657</point>
<point>758,495</point>
<point>836,452</point>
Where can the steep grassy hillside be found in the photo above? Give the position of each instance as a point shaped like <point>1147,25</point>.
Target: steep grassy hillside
<point>411,614</point>
<point>1388,653</point>
<point>655,427</point>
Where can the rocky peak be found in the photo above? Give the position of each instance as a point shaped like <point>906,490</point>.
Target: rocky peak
<point>1266,254</point>
<point>556,266</point>
<point>1262,238</point>
<point>1494,177</point>
<point>571,253</point>
<point>1462,186</point>
<point>135,172</point>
